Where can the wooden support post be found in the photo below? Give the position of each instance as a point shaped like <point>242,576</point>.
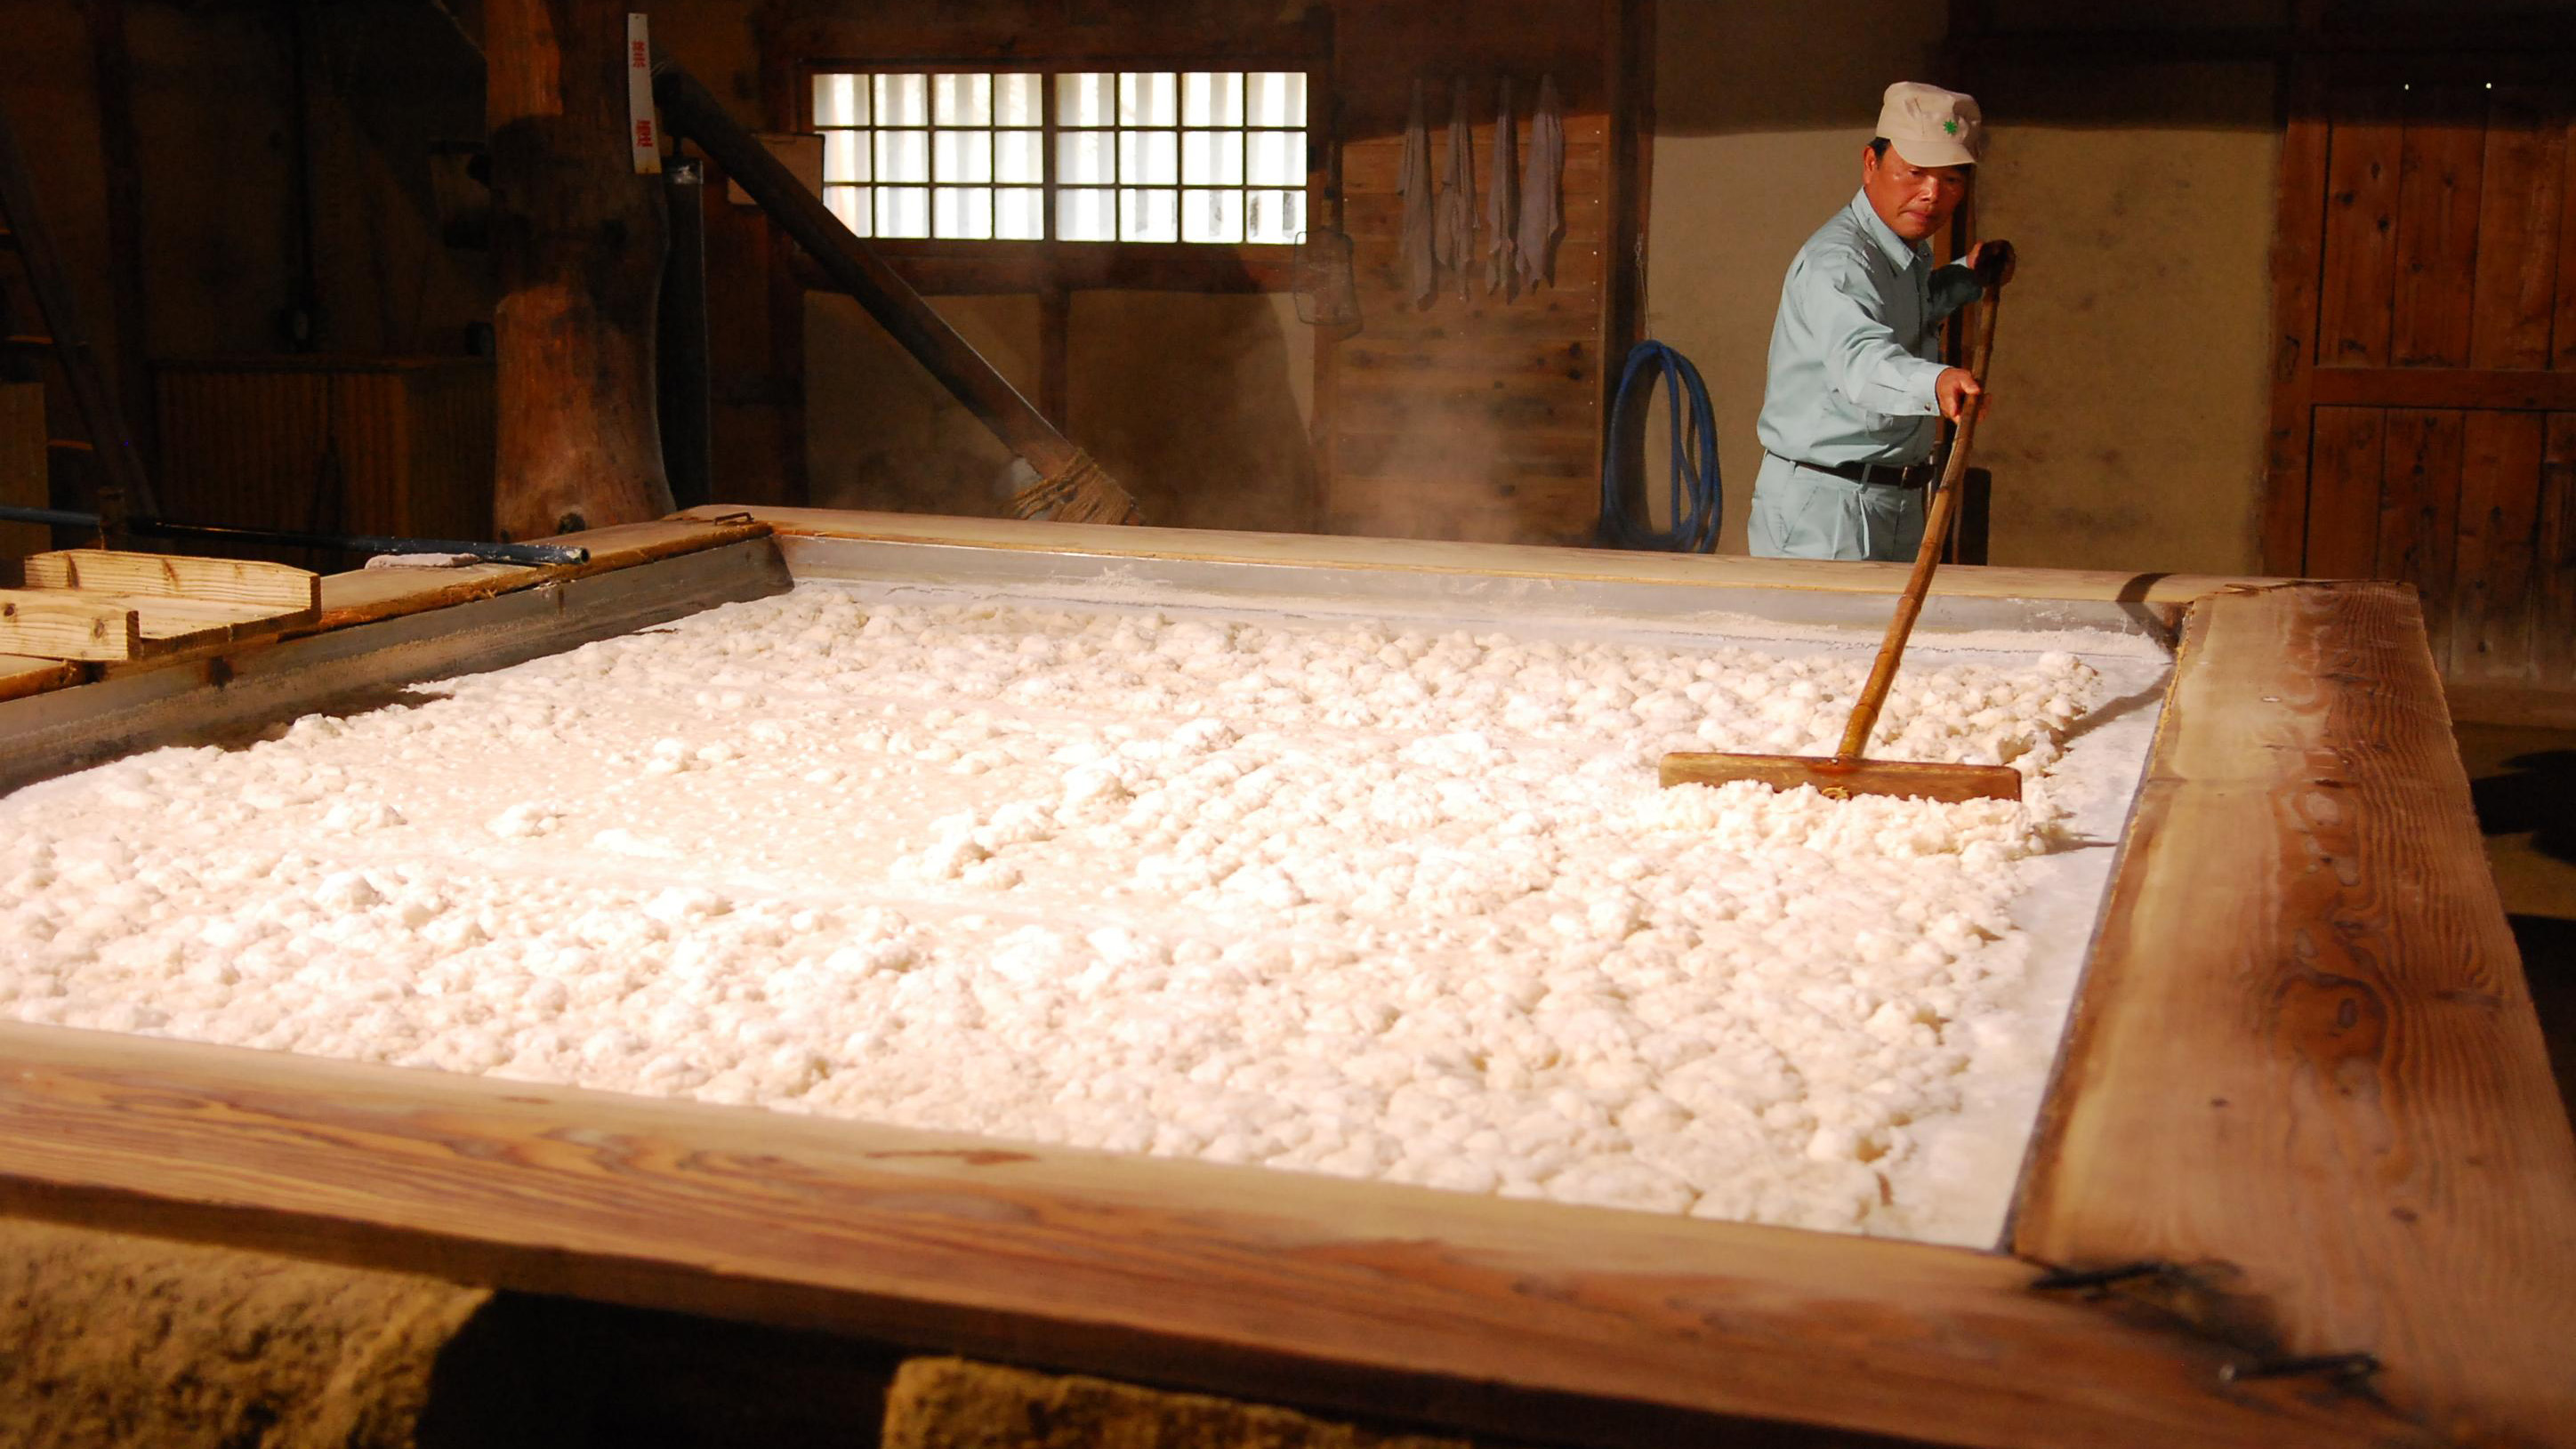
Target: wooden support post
<point>22,469</point>
<point>120,155</point>
<point>579,239</point>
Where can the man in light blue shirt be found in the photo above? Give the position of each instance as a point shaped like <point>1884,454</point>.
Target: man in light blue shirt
<point>1856,374</point>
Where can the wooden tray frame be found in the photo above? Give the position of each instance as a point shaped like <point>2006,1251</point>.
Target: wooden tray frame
<point>2304,1083</point>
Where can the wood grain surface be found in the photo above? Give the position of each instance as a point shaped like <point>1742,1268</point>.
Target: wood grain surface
<point>1529,1319</point>
<point>177,576</point>
<point>2305,1065</point>
<point>118,628</point>
<point>49,623</point>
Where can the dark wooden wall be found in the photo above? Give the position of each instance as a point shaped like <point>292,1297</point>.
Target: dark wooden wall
<point>2425,411</point>
<point>1475,417</point>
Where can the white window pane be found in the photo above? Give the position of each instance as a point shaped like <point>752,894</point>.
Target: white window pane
<point>902,100</point>
<point>840,100</point>
<point>851,205</point>
<point>961,100</point>
<point>1273,216</point>
<point>1149,98</point>
<point>903,211</point>
<point>1019,214</point>
<point>845,156</point>
<point>965,212</point>
<point>1212,98</point>
<point>1086,215</point>
<point>1149,158</point>
<point>1084,159</point>
<point>1015,100</point>
<point>964,155</point>
<point>1276,98</point>
<point>903,155</point>
<point>1086,99</point>
<point>1149,216</point>
<point>1278,157</point>
<point>1019,156</point>
<point>1212,158</point>
<point>1212,216</point>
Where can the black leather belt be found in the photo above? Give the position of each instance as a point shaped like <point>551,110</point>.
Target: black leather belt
<point>1885,475</point>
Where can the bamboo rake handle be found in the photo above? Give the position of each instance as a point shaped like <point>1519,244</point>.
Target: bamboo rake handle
<point>1936,529</point>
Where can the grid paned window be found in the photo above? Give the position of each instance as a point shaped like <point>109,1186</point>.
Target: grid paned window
<point>1138,156</point>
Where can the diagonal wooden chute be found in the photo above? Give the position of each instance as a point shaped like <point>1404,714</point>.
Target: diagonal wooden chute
<point>1072,487</point>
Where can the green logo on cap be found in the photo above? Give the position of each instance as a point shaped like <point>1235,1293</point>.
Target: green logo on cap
<point>1950,126</point>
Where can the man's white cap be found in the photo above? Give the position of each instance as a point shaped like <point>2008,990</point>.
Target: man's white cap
<point>1930,126</point>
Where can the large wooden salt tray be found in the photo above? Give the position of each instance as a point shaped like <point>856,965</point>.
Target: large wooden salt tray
<point>2301,1178</point>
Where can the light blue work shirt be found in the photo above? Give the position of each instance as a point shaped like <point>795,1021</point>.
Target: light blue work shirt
<point>1854,356</point>
<point>1858,344</point>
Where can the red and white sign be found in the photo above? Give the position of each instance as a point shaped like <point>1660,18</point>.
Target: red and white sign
<point>643,128</point>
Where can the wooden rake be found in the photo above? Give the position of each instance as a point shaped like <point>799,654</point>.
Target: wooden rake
<point>1846,774</point>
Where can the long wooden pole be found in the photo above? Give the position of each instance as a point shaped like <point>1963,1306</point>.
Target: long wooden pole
<point>1936,528</point>
<point>579,239</point>
<point>692,111</point>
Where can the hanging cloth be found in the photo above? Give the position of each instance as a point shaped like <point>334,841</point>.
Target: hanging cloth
<point>1453,224</point>
<point>1502,204</point>
<point>1542,183</point>
<point>1413,179</point>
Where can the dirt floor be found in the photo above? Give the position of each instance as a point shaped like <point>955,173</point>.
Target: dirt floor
<point>2524,784</point>
<point>109,1341</point>
<point>951,1403</point>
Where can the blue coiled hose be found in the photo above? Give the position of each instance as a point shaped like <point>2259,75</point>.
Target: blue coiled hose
<point>1694,456</point>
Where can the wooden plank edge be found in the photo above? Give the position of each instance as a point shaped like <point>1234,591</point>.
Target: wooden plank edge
<point>2162,591</point>
<point>81,628</point>
<point>1581,1324</point>
<point>612,547</point>
<point>2421,1381</point>
<point>22,675</point>
<point>176,576</point>
<point>206,643</point>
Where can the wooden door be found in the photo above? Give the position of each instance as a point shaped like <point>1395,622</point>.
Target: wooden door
<point>2424,396</point>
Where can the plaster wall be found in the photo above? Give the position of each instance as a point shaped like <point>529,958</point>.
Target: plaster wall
<point>881,433</point>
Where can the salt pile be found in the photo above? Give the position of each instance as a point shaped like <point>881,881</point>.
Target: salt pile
<point>1390,903</point>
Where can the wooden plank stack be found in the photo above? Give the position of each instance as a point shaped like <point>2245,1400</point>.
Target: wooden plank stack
<point>103,606</point>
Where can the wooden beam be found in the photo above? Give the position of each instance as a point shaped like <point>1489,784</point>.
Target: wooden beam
<point>1521,1319</point>
<point>2161,595</point>
<point>120,157</point>
<point>1137,42</point>
<point>948,267</point>
<point>177,576</point>
<point>2304,1069</point>
<point>24,475</point>
<point>578,239</point>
